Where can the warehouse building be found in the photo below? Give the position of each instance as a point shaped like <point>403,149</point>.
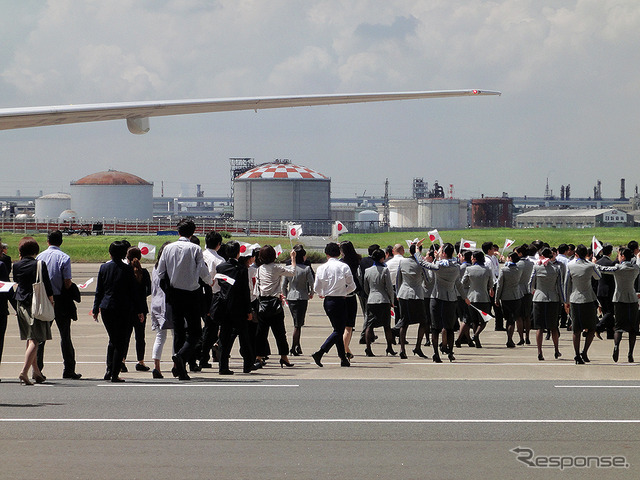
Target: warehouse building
<point>586,218</point>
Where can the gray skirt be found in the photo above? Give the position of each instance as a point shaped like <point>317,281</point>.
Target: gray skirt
<point>39,331</point>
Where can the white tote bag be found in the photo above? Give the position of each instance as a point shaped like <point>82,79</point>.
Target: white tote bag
<point>41,306</point>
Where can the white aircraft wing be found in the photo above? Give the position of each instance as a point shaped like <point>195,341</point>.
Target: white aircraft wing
<point>137,113</point>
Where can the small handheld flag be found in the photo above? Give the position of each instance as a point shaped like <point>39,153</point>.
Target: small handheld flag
<point>467,244</point>
<point>6,286</point>
<point>85,284</point>
<point>507,244</point>
<point>596,246</point>
<point>278,250</point>
<point>295,231</point>
<point>340,228</point>
<point>435,236</point>
<point>147,250</point>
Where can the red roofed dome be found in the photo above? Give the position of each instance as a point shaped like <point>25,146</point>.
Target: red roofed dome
<point>282,171</point>
<point>111,177</point>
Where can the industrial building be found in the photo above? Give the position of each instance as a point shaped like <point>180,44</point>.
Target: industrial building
<point>51,206</point>
<point>112,195</point>
<point>281,191</point>
<point>440,213</point>
<point>584,218</point>
<point>492,212</point>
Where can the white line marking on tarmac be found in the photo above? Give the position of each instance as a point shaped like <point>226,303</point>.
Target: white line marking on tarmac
<point>322,420</point>
<point>597,386</point>
<point>191,385</point>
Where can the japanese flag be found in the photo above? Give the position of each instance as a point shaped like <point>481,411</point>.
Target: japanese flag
<point>596,246</point>
<point>485,316</point>
<point>229,280</point>
<point>6,286</point>
<point>507,244</point>
<point>148,251</point>
<point>244,249</point>
<point>85,284</point>
<point>340,228</point>
<point>278,250</point>
<point>411,242</point>
<point>295,231</point>
<point>435,236</point>
<point>467,244</point>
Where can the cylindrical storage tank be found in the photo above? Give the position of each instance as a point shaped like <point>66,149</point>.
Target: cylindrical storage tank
<point>112,194</point>
<point>48,207</point>
<point>368,216</point>
<point>282,192</point>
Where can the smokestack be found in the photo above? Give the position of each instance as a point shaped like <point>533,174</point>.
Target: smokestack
<point>622,192</point>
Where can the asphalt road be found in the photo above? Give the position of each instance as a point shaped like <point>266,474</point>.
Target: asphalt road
<point>381,418</point>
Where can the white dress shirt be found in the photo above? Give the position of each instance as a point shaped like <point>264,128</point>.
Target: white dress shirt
<point>212,258</point>
<point>182,261</point>
<point>334,279</point>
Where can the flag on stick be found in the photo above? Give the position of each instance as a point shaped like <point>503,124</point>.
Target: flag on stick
<point>6,286</point>
<point>340,228</point>
<point>295,231</point>
<point>278,250</point>
<point>467,244</point>
<point>435,236</point>
<point>485,316</point>
<point>85,284</point>
<point>507,244</point>
<point>147,250</point>
<point>596,246</point>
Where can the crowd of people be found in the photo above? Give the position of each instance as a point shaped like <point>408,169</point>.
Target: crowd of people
<point>239,291</point>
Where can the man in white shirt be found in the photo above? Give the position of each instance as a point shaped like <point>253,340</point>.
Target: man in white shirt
<point>392,264</point>
<point>182,263</point>
<point>212,259</point>
<point>334,282</point>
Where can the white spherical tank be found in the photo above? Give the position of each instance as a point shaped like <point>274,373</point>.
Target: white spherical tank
<point>282,191</point>
<point>48,207</point>
<point>112,194</point>
<point>368,216</point>
<point>68,216</point>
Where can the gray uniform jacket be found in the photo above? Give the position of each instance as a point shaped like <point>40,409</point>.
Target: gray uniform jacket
<point>409,280</point>
<point>377,285</point>
<point>547,283</point>
<point>526,266</point>
<point>448,286</point>
<point>577,282</point>
<point>478,280</point>
<point>509,283</point>
<point>300,285</point>
<point>625,275</point>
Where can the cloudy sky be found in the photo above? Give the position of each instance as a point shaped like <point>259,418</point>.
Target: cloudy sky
<point>569,72</point>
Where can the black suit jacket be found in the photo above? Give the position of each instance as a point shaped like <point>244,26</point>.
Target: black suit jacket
<point>116,288</point>
<point>234,301</point>
<point>606,284</point>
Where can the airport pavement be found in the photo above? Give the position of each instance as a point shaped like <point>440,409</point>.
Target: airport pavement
<point>380,418</point>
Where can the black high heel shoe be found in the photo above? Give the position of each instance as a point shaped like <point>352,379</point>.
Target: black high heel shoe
<point>418,351</point>
<point>368,352</point>
<point>349,355</point>
<point>294,352</point>
<point>557,355</point>
<point>540,357</point>
<point>451,357</point>
<point>391,352</point>
<point>578,360</point>
<point>436,358</point>
<point>616,352</point>
<point>584,357</point>
<point>403,355</point>
<point>284,363</point>
<point>630,358</point>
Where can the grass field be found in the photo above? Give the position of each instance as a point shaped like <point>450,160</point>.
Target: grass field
<point>95,248</point>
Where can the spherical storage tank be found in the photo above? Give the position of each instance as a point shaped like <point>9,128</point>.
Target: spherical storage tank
<point>112,194</point>
<point>49,207</point>
<point>282,191</point>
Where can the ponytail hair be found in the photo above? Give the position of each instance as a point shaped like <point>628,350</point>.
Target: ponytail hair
<point>134,255</point>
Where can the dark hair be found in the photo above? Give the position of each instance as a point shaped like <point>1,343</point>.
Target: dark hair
<point>126,243</point>
<point>186,227</point>
<point>632,245</point>
<point>486,246</point>
<point>448,249</point>
<point>388,251</point>
<point>332,249</point>
<point>28,247</point>
<point>377,255</point>
<point>514,257</point>
<point>479,256</point>
<point>233,249</point>
<point>522,250</point>
<point>468,254</point>
<point>581,251</point>
<point>349,255</point>
<point>160,252</point>
<point>266,255</point>
<point>546,252</point>
<point>212,240</point>
<point>300,253</point>
<point>627,253</point>
<point>195,240</point>
<point>562,248</point>
<point>607,249</point>
<point>118,250</point>
<point>55,238</point>
<point>532,250</point>
<point>373,248</point>
<point>134,255</point>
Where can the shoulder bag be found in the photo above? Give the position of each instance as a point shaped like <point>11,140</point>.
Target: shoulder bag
<point>41,306</point>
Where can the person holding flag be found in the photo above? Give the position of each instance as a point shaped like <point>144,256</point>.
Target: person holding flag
<point>547,297</point>
<point>478,281</point>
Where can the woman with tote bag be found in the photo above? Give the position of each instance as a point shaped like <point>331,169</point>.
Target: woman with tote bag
<point>34,331</point>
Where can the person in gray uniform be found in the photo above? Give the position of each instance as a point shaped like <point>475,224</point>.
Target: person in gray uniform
<point>377,286</point>
<point>580,301</point>
<point>478,282</point>
<point>298,290</point>
<point>523,322</point>
<point>625,300</point>
<point>547,297</point>
<point>509,295</point>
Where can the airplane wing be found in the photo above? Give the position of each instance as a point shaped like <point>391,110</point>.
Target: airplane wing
<point>137,113</point>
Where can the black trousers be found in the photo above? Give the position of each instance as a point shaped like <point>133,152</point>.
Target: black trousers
<point>228,330</point>
<point>137,327</point>
<point>185,308</point>
<point>209,337</point>
<point>116,324</point>
<point>276,323</point>
<point>336,310</point>
<point>3,329</point>
<point>63,321</point>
